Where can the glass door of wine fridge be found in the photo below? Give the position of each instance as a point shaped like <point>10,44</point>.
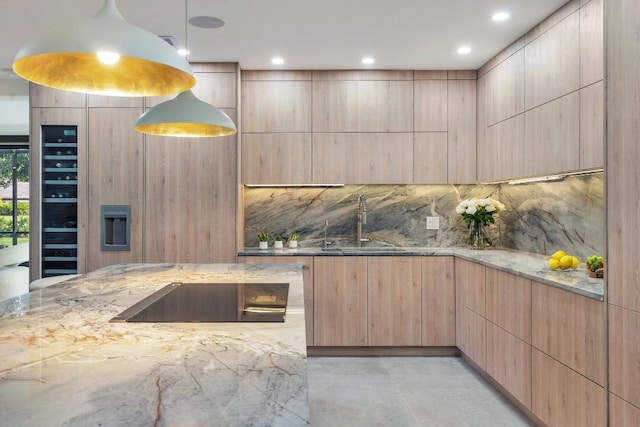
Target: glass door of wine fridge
<point>59,200</point>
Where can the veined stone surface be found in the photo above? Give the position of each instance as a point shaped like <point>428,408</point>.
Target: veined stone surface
<point>63,363</point>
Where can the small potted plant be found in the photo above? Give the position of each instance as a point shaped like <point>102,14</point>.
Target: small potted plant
<point>293,240</point>
<point>595,266</point>
<point>277,244</point>
<point>263,239</point>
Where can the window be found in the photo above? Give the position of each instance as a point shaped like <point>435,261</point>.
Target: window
<point>14,190</point>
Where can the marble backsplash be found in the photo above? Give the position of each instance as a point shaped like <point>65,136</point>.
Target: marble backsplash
<point>539,217</point>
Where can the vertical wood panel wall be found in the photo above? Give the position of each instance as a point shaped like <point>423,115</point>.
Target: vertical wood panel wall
<point>182,192</point>
<point>623,231</point>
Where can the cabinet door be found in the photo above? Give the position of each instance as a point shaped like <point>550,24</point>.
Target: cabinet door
<point>473,337</point>
<point>552,63</point>
<point>363,106</point>
<point>276,158</point>
<point>363,158</point>
<point>276,106</point>
<point>115,166</point>
<point>394,303</point>
<point>570,328</point>
<point>622,413</point>
<point>190,200</point>
<point>470,309</point>
<point>562,397</point>
<point>509,302</point>
<point>461,128</point>
<point>340,301</point>
<point>509,362</point>
<point>470,285</point>
<point>307,273</point>
<point>438,301</point>
<point>624,351</point>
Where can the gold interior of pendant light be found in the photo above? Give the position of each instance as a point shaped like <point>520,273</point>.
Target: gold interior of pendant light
<point>104,55</point>
<point>185,115</point>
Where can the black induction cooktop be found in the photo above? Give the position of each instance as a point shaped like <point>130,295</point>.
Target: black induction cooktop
<point>211,302</point>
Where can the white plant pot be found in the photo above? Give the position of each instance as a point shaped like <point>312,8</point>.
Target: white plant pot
<point>277,244</point>
<point>263,245</point>
<point>293,244</point>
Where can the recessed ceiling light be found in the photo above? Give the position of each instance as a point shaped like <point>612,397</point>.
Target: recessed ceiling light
<point>368,60</point>
<point>208,22</point>
<point>277,60</point>
<point>183,52</point>
<point>500,16</point>
<point>463,50</point>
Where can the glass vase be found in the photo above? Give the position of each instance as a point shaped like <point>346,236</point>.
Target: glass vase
<point>478,238</point>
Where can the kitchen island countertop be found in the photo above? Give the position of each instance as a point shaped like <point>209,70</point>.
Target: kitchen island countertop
<point>63,363</point>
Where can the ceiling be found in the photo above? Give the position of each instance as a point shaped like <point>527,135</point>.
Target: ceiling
<point>320,34</point>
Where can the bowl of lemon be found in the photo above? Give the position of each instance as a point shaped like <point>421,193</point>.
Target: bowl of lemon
<point>560,260</point>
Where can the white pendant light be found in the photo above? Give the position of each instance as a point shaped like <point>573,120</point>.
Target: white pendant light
<point>187,116</point>
<point>104,55</point>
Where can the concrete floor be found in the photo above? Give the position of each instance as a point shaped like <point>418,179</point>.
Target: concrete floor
<point>404,391</point>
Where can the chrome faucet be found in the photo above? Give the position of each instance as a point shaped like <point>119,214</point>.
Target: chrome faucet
<point>326,225</point>
<point>361,219</point>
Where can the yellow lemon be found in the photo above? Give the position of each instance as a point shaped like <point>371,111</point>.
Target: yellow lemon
<point>575,262</point>
<point>553,263</point>
<point>558,255</point>
<point>566,261</point>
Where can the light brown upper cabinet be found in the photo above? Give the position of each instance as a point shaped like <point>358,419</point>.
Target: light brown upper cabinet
<point>551,142</point>
<point>461,148</point>
<point>592,126</point>
<point>541,106</point>
<point>552,63</point>
<point>276,158</point>
<point>430,105</point>
<point>362,106</point>
<point>363,158</point>
<point>591,42</point>
<point>42,96</point>
<point>430,163</point>
<point>505,89</point>
<point>276,106</point>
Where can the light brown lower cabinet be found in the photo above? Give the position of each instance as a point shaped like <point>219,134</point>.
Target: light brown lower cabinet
<point>562,397</point>
<point>438,301</point>
<point>474,337</point>
<point>570,328</point>
<point>307,273</point>
<point>622,413</point>
<point>394,301</point>
<point>340,301</point>
<point>509,362</point>
<point>470,299</point>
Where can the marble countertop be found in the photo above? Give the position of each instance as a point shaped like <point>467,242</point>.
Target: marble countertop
<point>63,363</point>
<point>531,266</point>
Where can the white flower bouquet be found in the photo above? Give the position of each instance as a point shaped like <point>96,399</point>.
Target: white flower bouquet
<point>480,211</point>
